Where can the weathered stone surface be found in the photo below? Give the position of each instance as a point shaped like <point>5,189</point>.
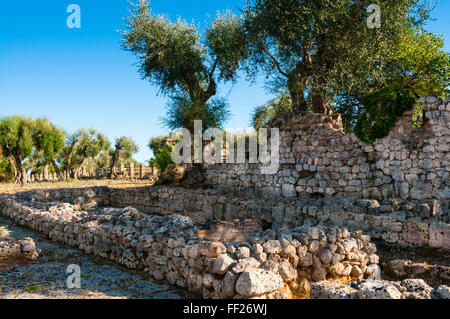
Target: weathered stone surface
<point>246,264</point>
<point>373,289</point>
<point>272,247</point>
<point>331,290</point>
<point>242,252</point>
<point>223,263</point>
<point>17,249</point>
<point>212,249</point>
<point>416,289</point>
<point>443,292</point>
<point>439,236</point>
<point>257,282</point>
<point>287,271</point>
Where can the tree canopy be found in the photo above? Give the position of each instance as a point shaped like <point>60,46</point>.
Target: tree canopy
<point>185,65</point>
<point>123,151</point>
<point>82,146</point>
<point>49,141</point>
<point>16,141</point>
<point>302,44</point>
<point>262,114</point>
<point>419,65</point>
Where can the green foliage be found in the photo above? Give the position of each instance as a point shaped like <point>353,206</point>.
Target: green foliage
<point>181,113</point>
<point>162,149</point>
<point>82,146</point>
<point>226,40</point>
<point>158,142</point>
<point>381,111</point>
<point>310,47</point>
<point>123,151</point>
<point>170,52</point>
<point>263,114</point>
<point>33,288</point>
<point>48,141</point>
<point>183,64</point>
<point>16,141</point>
<point>127,146</point>
<point>162,159</point>
<point>419,64</point>
<point>6,170</point>
<point>103,160</point>
<point>16,136</point>
<point>28,145</point>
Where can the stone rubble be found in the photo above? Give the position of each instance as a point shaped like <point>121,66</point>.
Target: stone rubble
<point>273,236</point>
<point>418,223</point>
<point>167,247</point>
<point>378,289</point>
<point>18,249</point>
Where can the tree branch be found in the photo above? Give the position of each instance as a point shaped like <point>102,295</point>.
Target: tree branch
<point>274,60</point>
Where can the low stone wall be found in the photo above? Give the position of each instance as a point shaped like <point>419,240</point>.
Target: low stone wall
<point>317,158</point>
<point>274,264</point>
<point>18,249</point>
<point>421,223</point>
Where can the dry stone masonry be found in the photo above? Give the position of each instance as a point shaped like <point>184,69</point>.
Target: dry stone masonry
<point>18,249</point>
<point>270,264</point>
<point>317,158</point>
<point>252,235</point>
<point>379,289</point>
<point>419,223</point>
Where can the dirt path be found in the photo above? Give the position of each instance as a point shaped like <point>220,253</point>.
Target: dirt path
<point>46,277</point>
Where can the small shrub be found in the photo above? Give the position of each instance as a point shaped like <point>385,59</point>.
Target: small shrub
<point>382,109</point>
<point>163,158</point>
<point>32,288</point>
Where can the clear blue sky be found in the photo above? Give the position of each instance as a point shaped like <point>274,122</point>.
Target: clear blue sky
<point>82,78</point>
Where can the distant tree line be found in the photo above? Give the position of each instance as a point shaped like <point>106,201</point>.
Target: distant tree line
<point>29,145</point>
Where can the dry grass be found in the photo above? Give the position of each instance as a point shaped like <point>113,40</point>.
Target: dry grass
<point>14,188</point>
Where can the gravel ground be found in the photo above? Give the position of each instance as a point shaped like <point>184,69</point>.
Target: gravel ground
<point>46,277</point>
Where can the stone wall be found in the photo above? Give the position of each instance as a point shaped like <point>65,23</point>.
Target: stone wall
<point>421,223</point>
<point>18,249</point>
<point>274,264</point>
<point>318,159</point>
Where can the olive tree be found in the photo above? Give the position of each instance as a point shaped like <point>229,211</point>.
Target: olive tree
<point>16,141</point>
<point>49,142</point>
<point>419,65</point>
<point>186,65</point>
<point>80,147</point>
<point>123,151</point>
<point>301,44</point>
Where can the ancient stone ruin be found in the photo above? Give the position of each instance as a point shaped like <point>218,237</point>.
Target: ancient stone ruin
<point>311,230</point>
<point>318,159</point>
